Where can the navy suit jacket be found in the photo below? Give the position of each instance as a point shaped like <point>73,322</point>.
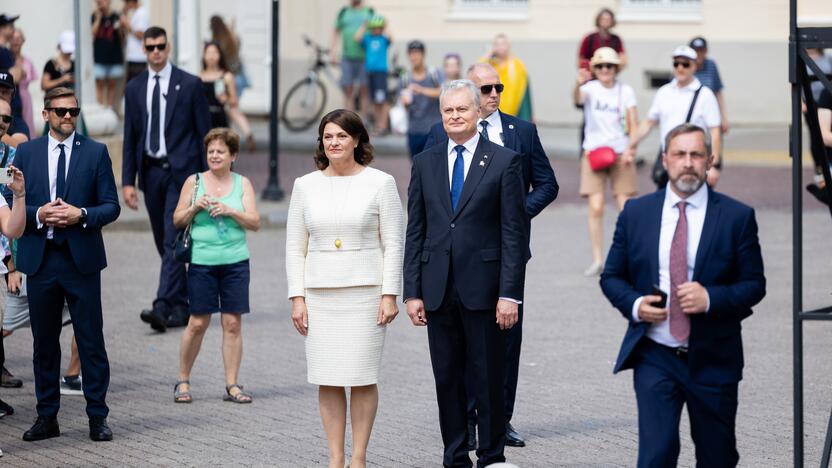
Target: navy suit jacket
<point>728,264</point>
<point>521,137</point>
<point>186,122</point>
<point>89,184</point>
<point>484,239</point>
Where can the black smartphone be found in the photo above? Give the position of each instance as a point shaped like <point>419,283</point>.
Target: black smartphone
<point>658,292</point>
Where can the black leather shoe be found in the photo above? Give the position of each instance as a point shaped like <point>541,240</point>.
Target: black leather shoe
<point>7,380</point>
<point>472,437</point>
<point>6,408</point>
<point>99,430</point>
<point>156,317</point>
<point>513,438</point>
<point>45,427</point>
<point>179,317</point>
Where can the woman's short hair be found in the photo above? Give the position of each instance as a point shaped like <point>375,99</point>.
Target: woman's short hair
<point>354,126</point>
<point>225,135</point>
<point>601,13</point>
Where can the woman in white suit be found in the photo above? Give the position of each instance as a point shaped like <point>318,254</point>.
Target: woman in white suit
<point>344,248</point>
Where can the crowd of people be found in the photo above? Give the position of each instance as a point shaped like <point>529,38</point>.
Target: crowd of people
<point>684,268</point>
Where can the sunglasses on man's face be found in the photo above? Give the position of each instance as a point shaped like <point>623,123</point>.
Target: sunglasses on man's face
<point>61,111</point>
<point>151,47</point>
<point>602,66</point>
<point>681,64</point>
<point>6,118</point>
<point>486,89</point>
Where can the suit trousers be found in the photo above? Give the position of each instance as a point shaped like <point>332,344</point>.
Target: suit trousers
<point>514,338</point>
<point>58,279</point>
<point>161,195</point>
<point>663,384</point>
<point>461,341</point>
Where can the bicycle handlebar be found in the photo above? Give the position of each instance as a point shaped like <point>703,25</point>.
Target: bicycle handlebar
<point>310,43</point>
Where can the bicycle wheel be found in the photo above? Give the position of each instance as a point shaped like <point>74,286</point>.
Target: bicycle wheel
<point>304,104</point>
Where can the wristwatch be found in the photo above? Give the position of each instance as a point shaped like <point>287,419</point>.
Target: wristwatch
<point>83,218</point>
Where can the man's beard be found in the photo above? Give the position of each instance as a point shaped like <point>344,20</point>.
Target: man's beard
<point>687,185</point>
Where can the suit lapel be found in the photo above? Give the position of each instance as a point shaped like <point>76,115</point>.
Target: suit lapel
<point>440,174</point>
<point>654,228</point>
<point>708,232</point>
<point>172,95</point>
<point>74,161</point>
<point>44,151</point>
<point>479,164</point>
<point>509,137</point>
<point>143,94</point>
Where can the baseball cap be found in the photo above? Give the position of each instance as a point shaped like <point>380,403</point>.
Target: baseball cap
<point>6,79</point>
<point>605,55</point>
<point>416,45</point>
<point>6,19</point>
<point>66,42</point>
<point>684,51</point>
<point>698,42</point>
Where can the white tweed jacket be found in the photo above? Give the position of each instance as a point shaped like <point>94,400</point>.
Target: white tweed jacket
<point>365,213</point>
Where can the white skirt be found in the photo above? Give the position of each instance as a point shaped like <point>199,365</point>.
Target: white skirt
<point>344,343</point>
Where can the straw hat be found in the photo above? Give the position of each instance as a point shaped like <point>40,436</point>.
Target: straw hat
<point>605,55</point>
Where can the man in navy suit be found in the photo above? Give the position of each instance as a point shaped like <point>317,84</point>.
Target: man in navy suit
<point>71,195</point>
<point>540,187</point>
<point>465,263</point>
<point>165,120</point>
<point>701,249</point>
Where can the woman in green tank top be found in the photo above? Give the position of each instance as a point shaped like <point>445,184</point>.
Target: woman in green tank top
<point>219,205</point>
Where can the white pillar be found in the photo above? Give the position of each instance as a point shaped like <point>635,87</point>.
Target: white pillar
<point>187,41</point>
<point>99,120</point>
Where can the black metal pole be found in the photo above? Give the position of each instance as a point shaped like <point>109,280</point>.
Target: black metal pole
<point>797,233</point>
<point>273,191</point>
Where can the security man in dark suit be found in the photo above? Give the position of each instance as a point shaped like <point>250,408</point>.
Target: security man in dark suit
<point>541,189</point>
<point>71,195</point>
<point>165,120</point>
<point>464,266</point>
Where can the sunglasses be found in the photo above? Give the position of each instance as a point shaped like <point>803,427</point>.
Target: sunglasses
<point>6,118</point>
<point>61,111</point>
<point>152,47</point>
<point>601,66</point>
<point>681,64</point>
<point>486,89</point>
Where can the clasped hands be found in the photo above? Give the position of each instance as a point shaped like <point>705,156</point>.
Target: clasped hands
<point>59,213</point>
<point>507,313</point>
<point>692,297</point>
<point>214,207</point>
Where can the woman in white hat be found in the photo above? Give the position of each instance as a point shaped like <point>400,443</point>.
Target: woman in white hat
<point>610,116</point>
<point>60,70</point>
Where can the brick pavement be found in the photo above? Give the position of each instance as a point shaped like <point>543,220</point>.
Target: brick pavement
<point>570,407</point>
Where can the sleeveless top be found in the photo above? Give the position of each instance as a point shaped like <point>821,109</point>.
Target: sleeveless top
<point>220,240</point>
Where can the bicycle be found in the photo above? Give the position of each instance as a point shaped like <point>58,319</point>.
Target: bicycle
<point>306,99</point>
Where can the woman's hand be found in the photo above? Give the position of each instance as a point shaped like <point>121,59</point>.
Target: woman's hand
<point>15,280</point>
<point>387,310</point>
<point>18,183</point>
<point>220,209</point>
<point>202,203</point>
<point>299,315</point>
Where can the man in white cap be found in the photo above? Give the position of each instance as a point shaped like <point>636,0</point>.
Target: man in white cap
<point>683,100</point>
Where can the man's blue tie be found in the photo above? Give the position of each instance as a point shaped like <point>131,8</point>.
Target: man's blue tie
<point>459,176</point>
<point>484,131</point>
<point>155,105</point>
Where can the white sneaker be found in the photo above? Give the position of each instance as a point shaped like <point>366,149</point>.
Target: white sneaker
<point>595,269</point>
<point>71,386</point>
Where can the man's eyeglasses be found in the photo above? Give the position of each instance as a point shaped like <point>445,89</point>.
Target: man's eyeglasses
<point>6,118</point>
<point>61,111</point>
<point>681,64</point>
<point>601,66</point>
<point>151,47</point>
<point>486,89</point>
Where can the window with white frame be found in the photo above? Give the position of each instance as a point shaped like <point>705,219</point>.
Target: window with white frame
<point>661,10</point>
<point>490,10</point>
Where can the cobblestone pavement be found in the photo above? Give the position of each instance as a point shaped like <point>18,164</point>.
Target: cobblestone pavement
<point>570,407</point>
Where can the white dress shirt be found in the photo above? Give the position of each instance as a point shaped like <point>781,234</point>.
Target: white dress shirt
<point>695,209</point>
<point>467,157</point>
<point>164,82</point>
<point>495,128</point>
<point>671,104</point>
<point>54,153</point>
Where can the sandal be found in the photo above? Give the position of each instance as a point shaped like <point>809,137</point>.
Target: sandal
<point>182,397</point>
<point>240,397</point>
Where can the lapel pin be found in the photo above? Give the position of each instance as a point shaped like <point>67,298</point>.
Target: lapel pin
<point>177,88</point>
<point>77,143</point>
<point>485,156</point>
<point>511,126</point>
<point>482,163</point>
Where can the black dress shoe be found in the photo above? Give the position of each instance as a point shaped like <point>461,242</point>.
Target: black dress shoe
<point>513,438</point>
<point>472,437</point>
<point>179,317</point>
<point>45,427</point>
<point>99,430</point>
<point>7,380</point>
<point>156,317</point>
<point>6,408</point>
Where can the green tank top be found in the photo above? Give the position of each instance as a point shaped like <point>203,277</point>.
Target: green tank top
<point>220,240</point>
